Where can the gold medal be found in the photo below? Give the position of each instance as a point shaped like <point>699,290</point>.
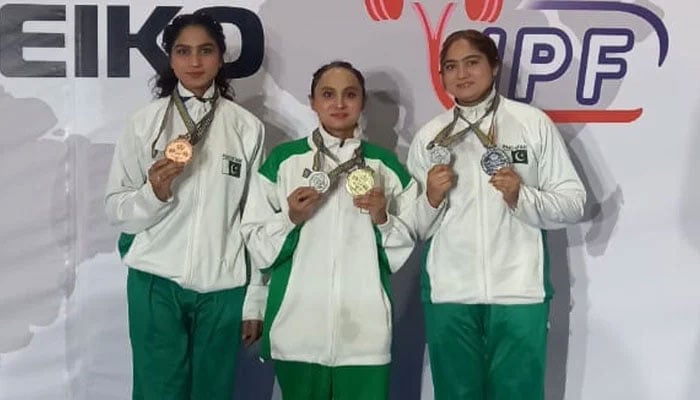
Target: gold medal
<point>360,181</point>
<point>179,150</point>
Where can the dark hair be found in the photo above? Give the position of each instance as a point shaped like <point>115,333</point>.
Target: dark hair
<point>338,64</point>
<point>166,81</point>
<point>477,39</point>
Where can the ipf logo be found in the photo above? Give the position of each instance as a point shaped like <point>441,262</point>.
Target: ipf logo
<point>545,53</point>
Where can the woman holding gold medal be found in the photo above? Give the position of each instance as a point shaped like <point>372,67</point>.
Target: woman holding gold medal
<point>176,188</point>
<point>323,220</point>
<point>499,174</point>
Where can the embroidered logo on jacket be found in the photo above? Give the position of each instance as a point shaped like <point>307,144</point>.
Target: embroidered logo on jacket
<point>518,153</point>
<point>519,156</point>
<point>231,165</point>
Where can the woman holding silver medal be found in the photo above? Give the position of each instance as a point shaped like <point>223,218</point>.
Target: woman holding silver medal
<point>176,188</point>
<point>323,220</point>
<point>499,174</point>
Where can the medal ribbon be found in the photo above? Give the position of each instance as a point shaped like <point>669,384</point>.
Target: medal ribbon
<point>357,159</point>
<point>488,140</point>
<point>443,138</point>
<point>195,132</point>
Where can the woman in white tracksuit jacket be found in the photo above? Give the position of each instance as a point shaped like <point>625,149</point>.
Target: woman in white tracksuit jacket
<point>485,285</point>
<point>328,320</point>
<point>186,287</point>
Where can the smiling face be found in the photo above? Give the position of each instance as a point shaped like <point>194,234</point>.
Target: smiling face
<point>338,98</point>
<point>466,72</point>
<point>195,59</point>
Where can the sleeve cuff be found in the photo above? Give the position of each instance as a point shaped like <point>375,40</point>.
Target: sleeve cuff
<point>430,210</point>
<point>151,203</point>
<point>518,210</point>
<point>287,223</point>
<point>254,303</point>
<point>387,226</point>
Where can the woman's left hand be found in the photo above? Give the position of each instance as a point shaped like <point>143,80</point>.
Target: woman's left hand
<point>507,181</point>
<point>251,330</point>
<point>375,203</point>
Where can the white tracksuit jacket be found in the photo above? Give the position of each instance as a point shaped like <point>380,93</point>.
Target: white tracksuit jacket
<point>194,237</point>
<point>480,251</point>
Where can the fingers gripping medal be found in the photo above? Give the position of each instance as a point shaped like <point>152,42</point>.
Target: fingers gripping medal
<point>360,181</point>
<point>320,181</point>
<point>179,150</point>
<point>439,152</point>
<point>438,149</point>
<point>440,155</point>
<point>493,160</point>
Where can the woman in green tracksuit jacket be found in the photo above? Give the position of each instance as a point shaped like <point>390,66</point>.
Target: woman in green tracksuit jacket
<point>329,248</point>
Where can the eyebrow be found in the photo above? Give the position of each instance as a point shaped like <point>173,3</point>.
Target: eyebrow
<point>208,44</point>
<point>344,89</point>
<point>468,57</point>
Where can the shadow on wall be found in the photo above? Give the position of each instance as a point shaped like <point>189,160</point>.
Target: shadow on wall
<point>382,117</point>
<point>285,117</point>
<point>382,110</point>
<point>31,219</point>
<point>52,217</point>
<point>568,250</point>
<point>255,379</point>
<point>568,336</point>
<point>409,332</point>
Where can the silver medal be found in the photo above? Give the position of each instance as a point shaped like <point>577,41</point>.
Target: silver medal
<point>320,181</point>
<point>440,155</point>
<point>493,160</point>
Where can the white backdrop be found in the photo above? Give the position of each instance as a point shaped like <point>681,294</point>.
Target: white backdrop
<point>626,317</point>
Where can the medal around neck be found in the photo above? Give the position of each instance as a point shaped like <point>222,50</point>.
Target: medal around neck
<point>440,155</point>
<point>493,160</point>
<point>179,150</point>
<point>320,181</point>
<point>360,181</point>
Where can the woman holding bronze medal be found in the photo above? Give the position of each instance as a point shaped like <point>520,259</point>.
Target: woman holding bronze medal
<point>176,189</point>
<point>499,174</point>
<point>323,221</point>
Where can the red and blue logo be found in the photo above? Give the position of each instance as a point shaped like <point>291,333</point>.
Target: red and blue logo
<point>543,53</point>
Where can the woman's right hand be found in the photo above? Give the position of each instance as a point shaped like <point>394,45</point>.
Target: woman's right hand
<point>162,174</point>
<point>441,178</point>
<point>303,201</point>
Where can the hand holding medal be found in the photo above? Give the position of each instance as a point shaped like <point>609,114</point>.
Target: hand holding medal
<point>507,181</point>
<point>360,181</point>
<point>441,178</point>
<point>440,155</point>
<point>302,202</point>
<point>493,159</point>
<point>374,203</point>
<point>320,181</point>
<point>360,178</point>
<point>161,176</point>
